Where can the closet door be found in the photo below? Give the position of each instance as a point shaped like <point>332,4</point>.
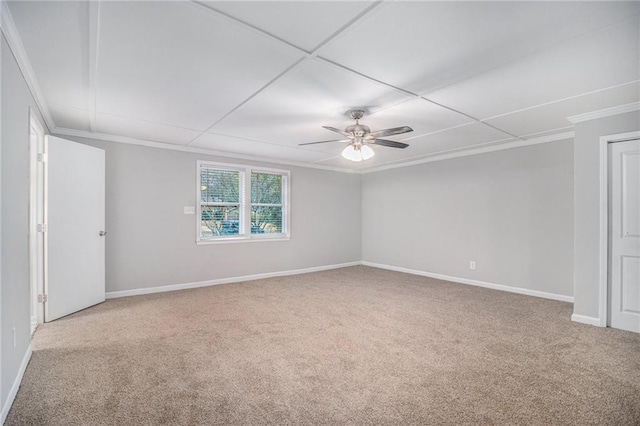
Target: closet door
<point>624,235</point>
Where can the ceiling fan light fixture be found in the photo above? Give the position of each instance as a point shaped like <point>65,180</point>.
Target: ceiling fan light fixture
<point>350,153</point>
<point>367,152</point>
<point>358,154</point>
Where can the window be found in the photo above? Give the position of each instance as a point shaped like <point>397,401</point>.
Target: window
<point>241,203</point>
<point>266,203</point>
<point>221,202</point>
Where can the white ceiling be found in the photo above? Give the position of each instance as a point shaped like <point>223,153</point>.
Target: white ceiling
<point>259,78</point>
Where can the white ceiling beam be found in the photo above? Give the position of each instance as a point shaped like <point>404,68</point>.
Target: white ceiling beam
<point>307,55</point>
<point>376,5</point>
<point>414,95</point>
<point>220,14</point>
<point>477,120</point>
<point>302,148</point>
<point>500,130</point>
<point>555,101</point>
<point>253,95</point>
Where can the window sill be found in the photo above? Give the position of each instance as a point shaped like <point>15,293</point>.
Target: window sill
<point>242,240</point>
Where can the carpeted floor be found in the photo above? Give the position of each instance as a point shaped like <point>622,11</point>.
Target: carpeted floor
<point>350,346</point>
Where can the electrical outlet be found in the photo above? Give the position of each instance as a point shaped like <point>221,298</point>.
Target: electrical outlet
<point>13,332</point>
<point>472,265</point>
<point>189,210</point>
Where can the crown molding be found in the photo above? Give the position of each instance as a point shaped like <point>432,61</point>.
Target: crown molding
<point>17,48</point>
<point>560,136</point>
<point>61,131</point>
<point>473,151</point>
<point>607,112</point>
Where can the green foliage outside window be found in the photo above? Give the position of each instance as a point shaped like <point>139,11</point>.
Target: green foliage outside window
<point>221,203</point>
<point>266,203</point>
<point>220,186</point>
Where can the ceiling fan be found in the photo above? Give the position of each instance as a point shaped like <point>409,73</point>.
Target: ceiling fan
<point>360,136</point>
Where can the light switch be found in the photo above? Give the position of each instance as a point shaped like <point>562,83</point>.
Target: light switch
<point>189,210</point>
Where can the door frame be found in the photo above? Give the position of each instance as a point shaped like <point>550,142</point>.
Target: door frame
<point>34,203</point>
<point>604,220</point>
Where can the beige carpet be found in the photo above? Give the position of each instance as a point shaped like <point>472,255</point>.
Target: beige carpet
<point>350,346</point>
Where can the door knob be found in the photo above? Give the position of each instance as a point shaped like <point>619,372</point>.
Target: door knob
<point>102,233</point>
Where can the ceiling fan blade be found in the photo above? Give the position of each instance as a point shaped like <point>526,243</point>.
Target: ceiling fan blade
<point>313,143</point>
<point>389,132</point>
<point>342,132</point>
<point>392,144</point>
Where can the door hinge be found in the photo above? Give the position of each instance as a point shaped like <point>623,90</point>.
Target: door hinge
<point>43,157</point>
<point>42,298</point>
<point>43,227</point>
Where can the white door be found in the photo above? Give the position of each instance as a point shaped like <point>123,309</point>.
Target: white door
<point>36,220</point>
<point>75,212</point>
<point>624,235</point>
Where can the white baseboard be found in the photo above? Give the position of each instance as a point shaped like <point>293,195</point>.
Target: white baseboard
<point>34,325</point>
<point>476,283</point>
<point>184,286</point>
<point>16,385</point>
<point>586,320</point>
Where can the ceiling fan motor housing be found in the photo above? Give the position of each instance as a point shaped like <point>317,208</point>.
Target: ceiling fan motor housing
<point>358,130</point>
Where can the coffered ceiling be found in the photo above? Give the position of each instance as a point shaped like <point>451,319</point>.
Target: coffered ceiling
<point>259,78</point>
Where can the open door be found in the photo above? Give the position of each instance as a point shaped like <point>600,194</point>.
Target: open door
<point>36,219</point>
<point>75,227</point>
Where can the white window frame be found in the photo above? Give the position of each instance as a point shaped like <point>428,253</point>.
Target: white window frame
<point>245,204</point>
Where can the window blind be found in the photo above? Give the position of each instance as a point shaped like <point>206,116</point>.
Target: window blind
<point>241,203</point>
<point>266,203</point>
<point>221,200</point>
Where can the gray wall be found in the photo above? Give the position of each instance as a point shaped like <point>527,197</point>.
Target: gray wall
<point>2,398</point>
<point>509,211</point>
<point>16,101</point>
<point>586,260</point>
<point>151,242</point>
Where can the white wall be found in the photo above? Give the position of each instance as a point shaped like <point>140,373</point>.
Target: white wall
<point>510,211</point>
<point>2,398</point>
<point>151,242</point>
<point>586,260</point>
<point>16,101</point>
